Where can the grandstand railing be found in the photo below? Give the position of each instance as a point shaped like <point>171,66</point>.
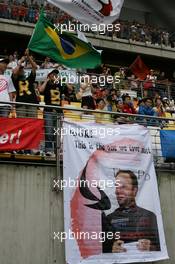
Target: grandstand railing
<point>60,114</point>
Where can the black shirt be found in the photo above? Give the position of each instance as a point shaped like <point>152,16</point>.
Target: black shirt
<point>133,224</point>
<point>53,93</point>
<point>25,90</point>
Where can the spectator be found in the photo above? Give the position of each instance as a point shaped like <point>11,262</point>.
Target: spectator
<point>7,89</point>
<point>101,105</point>
<point>47,64</point>
<point>119,106</point>
<point>101,117</point>
<point>69,92</point>
<point>109,103</point>
<point>133,82</point>
<point>12,62</point>
<point>27,63</point>
<point>150,83</point>
<point>159,109</point>
<point>147,108</point>
<point>22,12</point>
<point>52,91</point>
<point>25,87</point>
<point>87,99</point>
<point>161,84</point>
<point>127,105</point>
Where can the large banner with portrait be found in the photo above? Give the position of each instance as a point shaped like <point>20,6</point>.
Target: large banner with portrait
<point>112,210</point>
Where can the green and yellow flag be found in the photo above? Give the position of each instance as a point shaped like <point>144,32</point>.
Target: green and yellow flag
<point>63,48</point>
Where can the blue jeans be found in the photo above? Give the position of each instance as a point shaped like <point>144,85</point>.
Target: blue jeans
<point>4,110</point>
<point>50,124</point>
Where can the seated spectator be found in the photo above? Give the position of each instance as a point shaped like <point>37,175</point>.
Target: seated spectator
<point>167,105</point>
<point>147,108</point>
<point>100,104</point>
<point>119,106</point>
<point>159,109</point>
<point>109,103</point>
<point>100,117</point>
<point>141,102</point>
<point>128,105</point>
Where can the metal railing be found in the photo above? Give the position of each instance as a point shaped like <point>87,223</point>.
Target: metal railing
<point>55,121</point>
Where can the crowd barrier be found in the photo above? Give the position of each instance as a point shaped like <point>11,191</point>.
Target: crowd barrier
<point>51,137</point>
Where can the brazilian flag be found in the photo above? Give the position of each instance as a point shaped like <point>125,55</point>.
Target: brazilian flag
<point>63,48</point>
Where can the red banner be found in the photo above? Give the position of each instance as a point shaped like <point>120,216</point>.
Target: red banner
<point>20,133</point>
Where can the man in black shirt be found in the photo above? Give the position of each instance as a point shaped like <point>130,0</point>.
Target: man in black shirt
<point>134,223</point>
<point>25,89</point>
<point>52,91</point>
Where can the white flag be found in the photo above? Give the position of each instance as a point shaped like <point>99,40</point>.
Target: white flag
<point>91,11</point>
<point>82,36</point>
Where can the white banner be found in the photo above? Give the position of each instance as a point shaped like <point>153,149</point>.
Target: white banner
<point>91,11</point>
<point>111,204</point>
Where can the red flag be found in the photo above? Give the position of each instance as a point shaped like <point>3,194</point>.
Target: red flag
<point>139,68</point>
<point>20,133</point>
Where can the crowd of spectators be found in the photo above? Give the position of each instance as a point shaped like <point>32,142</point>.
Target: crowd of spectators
<point>135,31</point>
<point>124,94</point>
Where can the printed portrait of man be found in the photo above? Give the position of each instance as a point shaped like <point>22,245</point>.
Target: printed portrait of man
<point>134,223</point>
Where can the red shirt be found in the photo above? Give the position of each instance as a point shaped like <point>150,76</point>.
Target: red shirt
<point>128,109</point>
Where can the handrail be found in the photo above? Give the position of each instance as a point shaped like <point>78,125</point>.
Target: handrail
<point>88,110</point>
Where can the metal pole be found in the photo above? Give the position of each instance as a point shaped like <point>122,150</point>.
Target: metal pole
<point>58,154</point>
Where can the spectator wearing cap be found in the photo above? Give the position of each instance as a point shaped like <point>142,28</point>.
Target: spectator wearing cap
<point>25,88</point>
<point>7,89</point>
<point>53,92</point>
